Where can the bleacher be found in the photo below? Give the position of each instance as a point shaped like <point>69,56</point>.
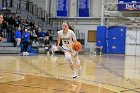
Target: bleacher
<point>8,48</point>
<point>41,20</point>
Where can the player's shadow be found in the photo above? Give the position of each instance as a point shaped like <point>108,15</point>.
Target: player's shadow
<point>76,86</point>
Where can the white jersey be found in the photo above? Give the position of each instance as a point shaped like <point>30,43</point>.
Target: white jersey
<point>67,38</point>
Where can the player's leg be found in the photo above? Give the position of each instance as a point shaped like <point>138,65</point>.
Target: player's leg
<point>71,64</point>
<point>79,68</point>
<point>78,65</point>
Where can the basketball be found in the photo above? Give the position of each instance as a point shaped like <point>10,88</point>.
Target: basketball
<point>77,46</point>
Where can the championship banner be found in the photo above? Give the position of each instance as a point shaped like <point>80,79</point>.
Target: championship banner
<point>128,6</point>
<point>83,8</point>
<point>62,8</point>
<point>7,3</point>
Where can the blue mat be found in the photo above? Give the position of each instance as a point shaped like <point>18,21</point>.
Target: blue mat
<point>30,49</point>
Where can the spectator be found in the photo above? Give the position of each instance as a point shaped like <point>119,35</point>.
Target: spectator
<point>17,21</point>
<point>98,49</point>
<point>1,21</point>
<point>47,42</point>
<point>47,38</point>
<point>11,21</point>
<point>49,34</point>
<point>26,38</point>
<point>4,29</point>
<point>18,36</point>
<point>34,34</point>
<point>42,35</point>
<point>54,48</point>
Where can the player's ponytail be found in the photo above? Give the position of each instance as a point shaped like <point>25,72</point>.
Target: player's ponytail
<point>71,27</point>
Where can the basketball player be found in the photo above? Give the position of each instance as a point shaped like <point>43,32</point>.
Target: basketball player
<point>68,37</point>
<point>1,21</point>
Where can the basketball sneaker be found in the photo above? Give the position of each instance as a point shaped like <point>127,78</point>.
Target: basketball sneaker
<point>74,74</point>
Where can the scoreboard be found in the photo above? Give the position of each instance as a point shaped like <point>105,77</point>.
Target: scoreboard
<point>128,1</point>
<point>128,5</point>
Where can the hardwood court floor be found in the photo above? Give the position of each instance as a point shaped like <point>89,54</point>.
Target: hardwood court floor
<point>51,74</point>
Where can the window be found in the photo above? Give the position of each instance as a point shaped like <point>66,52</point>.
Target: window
<point>91,35</point>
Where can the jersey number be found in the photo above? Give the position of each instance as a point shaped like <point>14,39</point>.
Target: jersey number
<point>66,42</point>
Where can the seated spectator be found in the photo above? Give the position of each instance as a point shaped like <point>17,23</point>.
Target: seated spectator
<point>98,49</point>
<point>34,35</point>
<point>42,35</point>
<point>47,43</point>
<point>17,21</point>
<point>49,34</point>
<point>47,38</point>
<point>11,21</point>
<point>4,29</point>
<point>54,48</point>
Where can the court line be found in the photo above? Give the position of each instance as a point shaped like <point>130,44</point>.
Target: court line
<point>69,80</point>
<point>53,77</point>
<point>30,86</point>
<point>47,74</point>
<point>133,89</point>
<point>114,72</point>
<point>117,74</point>
<point>130,90</point>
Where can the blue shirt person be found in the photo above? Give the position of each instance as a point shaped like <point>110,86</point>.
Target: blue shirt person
<point>26,38</point>
<point>18,36</point>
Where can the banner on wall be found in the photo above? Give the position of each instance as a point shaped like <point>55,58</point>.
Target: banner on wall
<point>124,5</point>
<point>7,3</point>
<point>62,8</point>
<point>83,8</point>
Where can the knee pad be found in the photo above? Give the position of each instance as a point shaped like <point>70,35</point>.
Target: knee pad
<point>77,60</point>
<point>68,56</point>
